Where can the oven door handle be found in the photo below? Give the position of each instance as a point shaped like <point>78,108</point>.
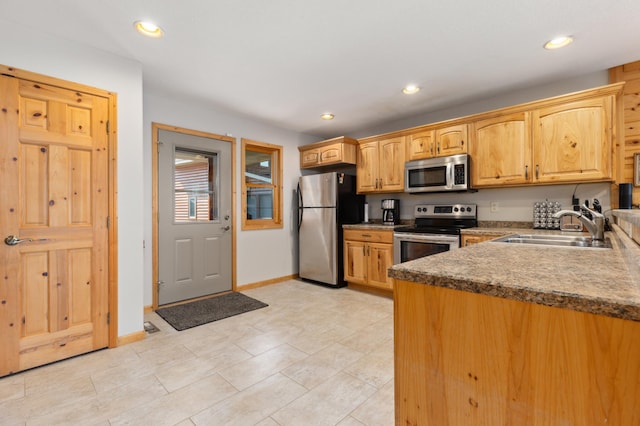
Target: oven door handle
<point>426,238</point>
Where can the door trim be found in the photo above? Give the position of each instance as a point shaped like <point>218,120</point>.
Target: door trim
<point>112,138</point>
<point>155,127</point>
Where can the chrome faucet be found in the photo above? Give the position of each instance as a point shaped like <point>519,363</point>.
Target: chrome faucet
<point>595,226</point>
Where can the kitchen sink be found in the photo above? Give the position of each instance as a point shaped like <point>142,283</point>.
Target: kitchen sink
<point>554,240</point>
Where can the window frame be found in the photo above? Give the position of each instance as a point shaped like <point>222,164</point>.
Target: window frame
<point>276,152</point>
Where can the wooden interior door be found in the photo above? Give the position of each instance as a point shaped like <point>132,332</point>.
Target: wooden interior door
<point>54,187</point>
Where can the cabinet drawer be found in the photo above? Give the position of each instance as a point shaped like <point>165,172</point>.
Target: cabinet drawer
<point>373,236</point>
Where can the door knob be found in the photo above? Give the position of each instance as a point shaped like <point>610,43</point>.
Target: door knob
<point>12,240</point>
<point>226,228</point>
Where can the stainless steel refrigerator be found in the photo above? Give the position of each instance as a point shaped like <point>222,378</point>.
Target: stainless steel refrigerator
<point>325,202</point>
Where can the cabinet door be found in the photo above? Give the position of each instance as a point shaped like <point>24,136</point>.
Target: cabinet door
<point>573,141</point>
<point>367,167</point>
<point>380,259</point>
<point>468,240</point>
<point>451,140</point>
<point>331,154</point>
<point>421,145</point>
<point>355,262</point>
<point>391,164</point>
<point>501,151</point>
<point>310,158</point>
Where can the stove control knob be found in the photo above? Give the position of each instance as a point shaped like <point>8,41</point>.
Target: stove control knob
<point>455,209</point>
<point>469,209</point>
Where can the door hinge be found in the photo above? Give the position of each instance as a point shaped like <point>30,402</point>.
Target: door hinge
<point>159,283</point>
<point>158,145</point>
<point>108,318</point>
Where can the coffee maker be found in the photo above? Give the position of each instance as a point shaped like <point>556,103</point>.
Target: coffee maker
<point>390,211</point>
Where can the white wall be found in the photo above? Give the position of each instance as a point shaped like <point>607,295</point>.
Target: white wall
<point>260,254</point>
<point>514,204</point>
<point>41,53</point>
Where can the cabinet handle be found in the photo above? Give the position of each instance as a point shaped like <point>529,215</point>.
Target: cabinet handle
<point>537,170</point>
<point>438,147</point>
<point>526,171</point>
<point>366,235</point>
<point>431,148</point>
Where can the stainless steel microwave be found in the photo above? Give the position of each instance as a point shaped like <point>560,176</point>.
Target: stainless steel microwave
<point>442,174</point>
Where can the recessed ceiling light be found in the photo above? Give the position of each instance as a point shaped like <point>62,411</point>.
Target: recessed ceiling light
<point>410,89</point>
<point>327,116</point>
<point>148,28</point>
<point>558,42</point>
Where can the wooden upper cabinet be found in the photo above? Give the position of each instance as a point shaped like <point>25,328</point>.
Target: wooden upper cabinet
<point>421,145</point>
<point>391,168</point>
<point>501,150</point>
<point>380,165</point>
<point>452,140</point>
<point>367,167</point>
<point>340,150</point>
<point>573,141</point>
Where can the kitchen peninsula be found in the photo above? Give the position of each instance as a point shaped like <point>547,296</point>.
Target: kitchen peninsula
<point>500,333</point>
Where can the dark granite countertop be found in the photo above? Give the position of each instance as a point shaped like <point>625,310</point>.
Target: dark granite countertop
<point>598,281</point>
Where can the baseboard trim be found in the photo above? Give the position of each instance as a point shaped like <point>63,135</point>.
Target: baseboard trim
<point>148,309</point>
<point>131,338</point>
<point>266,282</point>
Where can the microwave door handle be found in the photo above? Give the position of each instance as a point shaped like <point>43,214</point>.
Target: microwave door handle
<point>449,175</point>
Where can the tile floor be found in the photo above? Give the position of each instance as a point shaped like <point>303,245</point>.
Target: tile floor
<point>314,356</point>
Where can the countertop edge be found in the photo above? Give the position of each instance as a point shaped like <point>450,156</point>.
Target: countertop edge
<point>625,247</point>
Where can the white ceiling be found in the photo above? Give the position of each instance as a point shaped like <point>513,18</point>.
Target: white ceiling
<point>288,61</point>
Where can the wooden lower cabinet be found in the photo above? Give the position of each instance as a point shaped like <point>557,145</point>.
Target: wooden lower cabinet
<point>367,256</point>
<point>470,359</point>
<point>470,239</point>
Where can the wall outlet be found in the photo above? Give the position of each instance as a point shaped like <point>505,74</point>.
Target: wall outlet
<point>493,206</point>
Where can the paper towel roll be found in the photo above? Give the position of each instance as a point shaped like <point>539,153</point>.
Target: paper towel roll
<point>366,212</point>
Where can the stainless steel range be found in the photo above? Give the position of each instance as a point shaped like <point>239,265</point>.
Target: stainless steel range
<point>436,230</point>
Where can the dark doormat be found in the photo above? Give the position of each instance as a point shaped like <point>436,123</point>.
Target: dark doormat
<point>204,311</point>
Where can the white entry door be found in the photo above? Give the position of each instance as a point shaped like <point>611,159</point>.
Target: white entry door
<point>194,216</point>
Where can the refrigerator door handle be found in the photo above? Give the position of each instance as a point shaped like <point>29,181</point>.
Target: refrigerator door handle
<point>300,206</point>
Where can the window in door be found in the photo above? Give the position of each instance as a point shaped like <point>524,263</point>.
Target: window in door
<point>262,185</point>
<point>195,180</point>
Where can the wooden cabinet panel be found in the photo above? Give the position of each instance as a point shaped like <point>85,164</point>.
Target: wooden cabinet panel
<point>310,158</point>
<point>380,166</point>
<point>441,142</point>
<point>421,145</point>
<point>472,359</point>
<point>355,263</point>
<point>380,259</point>
<point>391,166</point>
<point>467,240</point>
<point>451,140</point>
<point>367,256</point>
<point>369,236</point>
<point>573,141</point>
<point>367,167</point>
<point>501,150</point>
<point>340,150</point>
